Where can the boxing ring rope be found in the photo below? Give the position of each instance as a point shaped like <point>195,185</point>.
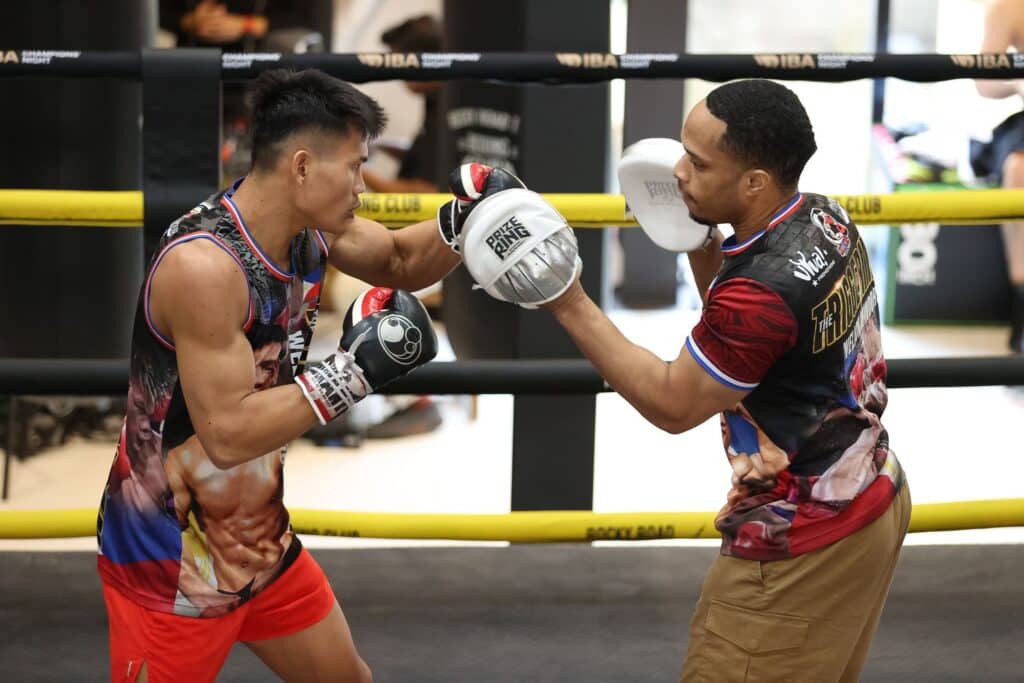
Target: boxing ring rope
<point>74,377</point>
<point>81,377</point>
<point>544,67</point>
<point>124,209</point>
<point>520,527</point>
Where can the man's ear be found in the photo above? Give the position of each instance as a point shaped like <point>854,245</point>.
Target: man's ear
<point>300,165</point>
<point>756,180</point>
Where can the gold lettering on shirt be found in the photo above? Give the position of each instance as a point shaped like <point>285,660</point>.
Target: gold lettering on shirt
<point>834,315</point>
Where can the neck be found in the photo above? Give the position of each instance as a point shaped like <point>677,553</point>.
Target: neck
<point>270,217</point>
<point>758,216</point>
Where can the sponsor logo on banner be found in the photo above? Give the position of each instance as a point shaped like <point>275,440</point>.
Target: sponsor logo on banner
<point>507,238</point>
<point>917,255</point>
<point>834,231</point>
<point>643,60</point>
<point>862,203</point>
<point>785,61</point>
<point>8,57</point>
<point>400,339</point>
<point>588,60</point>
<point>985,61</point>
<point>45,56</point>
<point>392,60</point>
<point>244,60</point>
<point>812,267</point>
<point>444,60</point>
<point>841,60</point>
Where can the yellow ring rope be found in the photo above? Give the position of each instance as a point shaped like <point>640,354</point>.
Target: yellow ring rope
<point>71,207</point>
<point>124,209</point>
<point>520,527</point>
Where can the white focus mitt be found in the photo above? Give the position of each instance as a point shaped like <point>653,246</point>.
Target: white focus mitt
<point>519,249</point>
<point>652,195</point>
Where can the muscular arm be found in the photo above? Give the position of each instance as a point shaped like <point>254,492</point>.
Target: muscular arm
<point>674,396</point>
<point>199,299</point>
<point>1001,17</point>
<point>411,258</point>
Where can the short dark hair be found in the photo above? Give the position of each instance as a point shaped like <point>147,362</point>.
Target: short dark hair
<point>285,102</point>
<point>766,127</point>
<point>262,334</point>
<point>418,34</point>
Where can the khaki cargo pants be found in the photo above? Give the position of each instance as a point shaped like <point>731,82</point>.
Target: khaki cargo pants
<point>809,618</point>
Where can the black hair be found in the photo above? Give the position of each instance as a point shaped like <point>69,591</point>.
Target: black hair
<point>285,102</point>
<point>262,334</point>
<point>766,127</point>
<point>418,34</point>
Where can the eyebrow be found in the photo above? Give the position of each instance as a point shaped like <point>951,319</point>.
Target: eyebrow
<point>690,153</point>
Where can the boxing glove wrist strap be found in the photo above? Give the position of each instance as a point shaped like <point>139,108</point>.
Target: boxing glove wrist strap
<point>334,385</point>
<point>710,238</point>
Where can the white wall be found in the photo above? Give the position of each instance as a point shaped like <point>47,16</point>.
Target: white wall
<point>840,112</point>
<point>358,25</point>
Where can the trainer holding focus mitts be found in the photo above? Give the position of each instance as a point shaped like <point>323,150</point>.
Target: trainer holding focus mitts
<point>787,350</point>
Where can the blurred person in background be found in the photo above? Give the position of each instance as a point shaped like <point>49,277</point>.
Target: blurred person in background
<point>289,26</point>
<point>1002,159</point>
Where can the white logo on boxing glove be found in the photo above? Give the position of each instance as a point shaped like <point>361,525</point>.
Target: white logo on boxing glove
<point>400,339</point>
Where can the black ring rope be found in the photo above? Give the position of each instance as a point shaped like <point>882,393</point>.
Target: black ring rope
<point>550,67</point>
<point>74,377</point>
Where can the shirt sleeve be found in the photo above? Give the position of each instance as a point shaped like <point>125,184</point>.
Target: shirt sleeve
<point>744,329</point>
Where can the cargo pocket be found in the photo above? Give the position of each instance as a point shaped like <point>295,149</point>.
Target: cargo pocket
<point>750,646</point>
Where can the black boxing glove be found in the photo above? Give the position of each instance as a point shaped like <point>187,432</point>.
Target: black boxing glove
<point>470,183</point>
<point>386,334</point>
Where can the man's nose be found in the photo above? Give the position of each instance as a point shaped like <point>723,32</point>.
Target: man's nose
<point>679,171</point>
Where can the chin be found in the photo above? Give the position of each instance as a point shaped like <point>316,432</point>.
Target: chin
<point>697,218</point>
<point>336,226</point>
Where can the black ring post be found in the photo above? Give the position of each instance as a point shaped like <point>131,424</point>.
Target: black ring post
<point>181,107</point>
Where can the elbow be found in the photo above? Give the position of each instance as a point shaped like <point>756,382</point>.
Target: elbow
<point>679,419</point>
<point>673,423</point>
<point>673,426</point>
<point>221,445</point>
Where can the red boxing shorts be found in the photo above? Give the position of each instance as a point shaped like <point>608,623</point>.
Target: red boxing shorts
<point>177,648</point>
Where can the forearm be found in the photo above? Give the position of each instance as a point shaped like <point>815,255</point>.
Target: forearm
<point>423,257</point>
<point>635,373</point>
<point>705,263</point>
<point>260,423</point>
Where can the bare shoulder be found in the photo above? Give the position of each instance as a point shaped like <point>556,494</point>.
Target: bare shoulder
<point>196,279</point>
